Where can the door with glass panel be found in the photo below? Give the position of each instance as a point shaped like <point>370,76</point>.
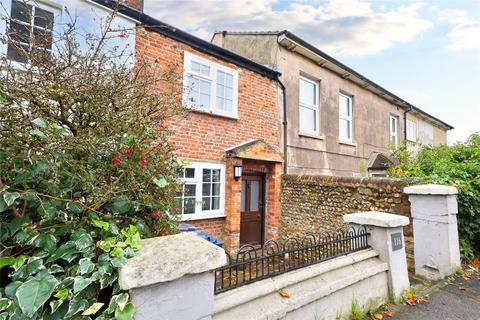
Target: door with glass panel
<point>251,210</point>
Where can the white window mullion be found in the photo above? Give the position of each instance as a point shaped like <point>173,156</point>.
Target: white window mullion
<point>213,90</point>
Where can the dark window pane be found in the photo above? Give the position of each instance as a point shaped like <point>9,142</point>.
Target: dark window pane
<point>207,175</point>
<point>215,189</point>
<point>215,203</point>
<point>206,189</point>
<point>189,206</point>
<point>189,173</point>
<point>43,18</point>
<point>190,190</point>
<point>19,32</point>
<point>216,175</point>
<point>21,11</point>
<point>206,203</point>
<point>42,39</point>
<point>15,54</point>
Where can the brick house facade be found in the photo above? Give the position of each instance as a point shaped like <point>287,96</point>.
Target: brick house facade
<point>234,121</point>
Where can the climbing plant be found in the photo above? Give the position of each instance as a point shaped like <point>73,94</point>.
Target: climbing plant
<point>86,171</point>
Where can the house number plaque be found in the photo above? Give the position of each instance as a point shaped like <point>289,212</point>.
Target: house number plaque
<point>397,242</point>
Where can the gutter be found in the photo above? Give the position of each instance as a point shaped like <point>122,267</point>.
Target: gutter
<point>410,108</point>
<point>284,124</point>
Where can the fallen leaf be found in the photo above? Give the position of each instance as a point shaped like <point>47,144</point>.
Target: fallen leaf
<point>284,293</point>
<point>389,314</point>
<point>378,316</point>
<point>462,288</point>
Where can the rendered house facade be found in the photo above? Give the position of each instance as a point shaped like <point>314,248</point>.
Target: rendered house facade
<point>336,121</point>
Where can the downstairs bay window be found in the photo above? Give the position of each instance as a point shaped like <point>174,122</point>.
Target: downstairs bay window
<point>203,191</point>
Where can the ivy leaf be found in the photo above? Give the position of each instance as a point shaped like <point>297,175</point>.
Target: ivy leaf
<point>162,182</point>
<point>74,207</point>
<point>6,261</point>
<point>38,133</point>
<point>101,224</point>
<point>55,304</point>
<point>46,241</point>
<point>62,294</point>
<point>93,309</point>
<point>10,197</point>
<point>66,248</point>
<point>118,302</point>
<point>82,239</point>
<point>86,266</point>
<point>3,205</point>
<point>119,262</point>
<point>33,293</point>
<point>11,288</point>
<point>19,261</point>
<point>75,306</point>
<point>80,283</point>
<point>126,313</point>
<point>16,224</point>
<point>39,122</point>
<point>5,303</point>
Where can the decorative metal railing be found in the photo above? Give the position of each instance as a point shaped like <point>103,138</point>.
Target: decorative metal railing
<point>253,263</point>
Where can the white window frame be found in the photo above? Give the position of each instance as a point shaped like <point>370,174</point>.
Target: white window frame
<point>314,107</point>
<point>347,118</point>
<point>198,181</point>
<point>53,7</point>
<point>412,130</point>
<point>393,134</point>
<point>214,67</point>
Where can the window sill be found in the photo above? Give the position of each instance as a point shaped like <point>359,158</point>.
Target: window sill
<point>205,217</point>
<point>214,114</point>
<point>312,135</point>
<point>347,143</point>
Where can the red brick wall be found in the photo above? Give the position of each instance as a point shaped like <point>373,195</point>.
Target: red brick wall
<point>136,4</point>
<point>213,227</point>
<point>201,136</point>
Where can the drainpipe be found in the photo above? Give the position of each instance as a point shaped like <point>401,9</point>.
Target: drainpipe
<point>284,123</point>
<point>405,122</point>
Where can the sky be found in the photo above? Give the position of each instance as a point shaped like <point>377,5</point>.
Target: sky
<point>428,53</point>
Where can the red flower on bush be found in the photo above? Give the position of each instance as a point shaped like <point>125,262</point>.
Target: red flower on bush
<point>127,152</point>
<point>156,215</point>
<point>143,163</point>
<point>122,35</point>
<point>166,233</point>
<point>116,160</point>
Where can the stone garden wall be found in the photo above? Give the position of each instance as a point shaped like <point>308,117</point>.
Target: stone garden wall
<point>316,204</point>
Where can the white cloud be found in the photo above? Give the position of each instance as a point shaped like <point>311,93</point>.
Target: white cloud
<point>453,16</point>
<point>465,36</point>
<point>466,30</point>
<point>349,27</point>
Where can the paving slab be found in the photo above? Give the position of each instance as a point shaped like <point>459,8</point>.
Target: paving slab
<point>459,300</point>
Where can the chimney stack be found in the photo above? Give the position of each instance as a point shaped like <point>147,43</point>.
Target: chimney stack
<point>135,4</point>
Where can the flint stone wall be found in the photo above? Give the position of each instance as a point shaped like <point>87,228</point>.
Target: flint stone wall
<point>316,204</point>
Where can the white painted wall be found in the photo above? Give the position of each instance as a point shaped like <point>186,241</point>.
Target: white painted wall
<point>89,17</point>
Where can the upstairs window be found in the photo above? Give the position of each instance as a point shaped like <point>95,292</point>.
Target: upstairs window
<point>411,131</point>
<point>394,130</point>
<point>345,118</point>
<point>202,193</point>
<point>210,87</point>
<point>30,28</point>
<point>308,106</point>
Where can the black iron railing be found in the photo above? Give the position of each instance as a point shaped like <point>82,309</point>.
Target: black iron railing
<point>256,263</point>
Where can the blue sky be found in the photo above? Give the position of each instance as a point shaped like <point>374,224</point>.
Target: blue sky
<point>428,53</point>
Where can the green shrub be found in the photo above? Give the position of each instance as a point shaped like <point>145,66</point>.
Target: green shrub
<point>458,166</point>
<point>86,170</point>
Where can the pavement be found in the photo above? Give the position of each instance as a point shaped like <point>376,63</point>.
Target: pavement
<point>459,300</point>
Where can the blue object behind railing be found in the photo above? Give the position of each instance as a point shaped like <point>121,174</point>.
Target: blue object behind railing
<point>185,227</point>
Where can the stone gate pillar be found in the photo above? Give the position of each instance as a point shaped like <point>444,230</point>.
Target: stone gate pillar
<point>385,235</point>
<point>172,278</point>
<point>435,233</point>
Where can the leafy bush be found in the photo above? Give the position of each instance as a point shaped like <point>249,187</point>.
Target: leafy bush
<point>457,165</point>
<point>86,170</point>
